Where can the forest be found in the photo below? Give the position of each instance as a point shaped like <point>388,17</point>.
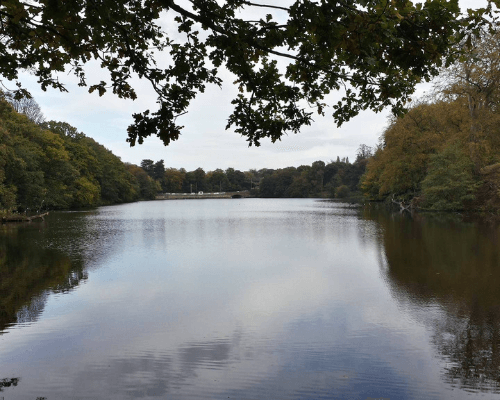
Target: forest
<point>444,154</point>
<point>338,179</point>
<point>49,165</point>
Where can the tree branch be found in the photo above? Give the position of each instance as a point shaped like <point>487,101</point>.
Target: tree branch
<point>265,6</point>
<point>253,43</point>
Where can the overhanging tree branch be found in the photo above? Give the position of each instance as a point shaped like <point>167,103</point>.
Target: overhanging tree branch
<point>376,51</point>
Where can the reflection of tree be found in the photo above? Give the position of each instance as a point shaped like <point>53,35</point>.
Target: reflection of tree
<point>30,312</point>
<point>28,273</point>
<point>41,258</point>
<point>472,346</point>
<point>8,382</point>
<point>436,259</point>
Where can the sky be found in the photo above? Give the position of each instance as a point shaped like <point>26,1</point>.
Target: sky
<point>204,141</point>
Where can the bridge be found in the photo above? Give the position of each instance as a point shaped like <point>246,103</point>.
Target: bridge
<point>203,195</point>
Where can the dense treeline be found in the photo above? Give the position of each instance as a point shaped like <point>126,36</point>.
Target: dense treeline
<point>50,165</point>
<point>445,154</point>
<point>336,179</point>
<point>172,180</point>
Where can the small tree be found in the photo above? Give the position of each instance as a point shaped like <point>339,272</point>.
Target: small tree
<point>342,192</point>
<point>27,106</point>
<point>148,166</point>
<point>364,152</point>
<point>159,171</point>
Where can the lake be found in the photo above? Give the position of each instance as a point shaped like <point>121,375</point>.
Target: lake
<point>249,299</point>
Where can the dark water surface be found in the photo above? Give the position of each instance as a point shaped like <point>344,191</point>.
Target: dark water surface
<point>249,299</point>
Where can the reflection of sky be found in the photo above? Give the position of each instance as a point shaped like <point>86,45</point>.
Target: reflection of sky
<point>216,299</point>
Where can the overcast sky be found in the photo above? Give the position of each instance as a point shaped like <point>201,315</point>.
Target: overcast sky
<point>204,142</point>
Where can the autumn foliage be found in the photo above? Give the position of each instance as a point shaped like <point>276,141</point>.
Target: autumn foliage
<point>445,153</point>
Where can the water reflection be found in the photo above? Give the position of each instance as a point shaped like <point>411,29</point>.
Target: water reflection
<point>6,382</point>
<point>154,375</point>
<point>436,259</point>
<point>247,299</point>
<point>29,272</point>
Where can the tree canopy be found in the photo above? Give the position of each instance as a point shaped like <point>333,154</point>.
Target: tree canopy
<point>445,154</point>
<point>53,166</point>
<point>285,58</point>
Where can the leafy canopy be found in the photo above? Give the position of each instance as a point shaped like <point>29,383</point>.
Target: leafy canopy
<point>285,60</point>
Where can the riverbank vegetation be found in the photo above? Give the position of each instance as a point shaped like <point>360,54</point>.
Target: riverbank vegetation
<point>50,165</point>
<point>339,179</point>
<point>47,165</point>
<point>444,154</point>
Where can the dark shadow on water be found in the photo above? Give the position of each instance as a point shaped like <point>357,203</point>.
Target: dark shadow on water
<point>453,262</point>
<point>29,272</point>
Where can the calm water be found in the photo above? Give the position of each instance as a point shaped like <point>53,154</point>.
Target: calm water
<point>249,299</point>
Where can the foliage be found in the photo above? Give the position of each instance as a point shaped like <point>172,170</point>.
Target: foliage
<point>51,165</point>
<point>476,75</point>
<point>342,192</point>
<point>317,180</point>
<point>148,166</point>
<point>449,183</point>
<point>236,179</point>
<point>277,184</point>
<point>27,106</point>
<point>443,154</point>
<point>417,148</point>
<point>173,180</point>
<point>375,50</point>
<point>146,187</point>
<point>216,180</point>
<point>474,80</point>
<point>400,165</point>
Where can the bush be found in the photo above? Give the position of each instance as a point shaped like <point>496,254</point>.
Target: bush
<point>342,192</point>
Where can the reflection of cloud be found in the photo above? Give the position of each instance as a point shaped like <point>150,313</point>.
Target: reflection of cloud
<point>134,377</point>
<point>150,374</point>
<point>299,289</point>
<point>214,354</point>
<point>223,368</point>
